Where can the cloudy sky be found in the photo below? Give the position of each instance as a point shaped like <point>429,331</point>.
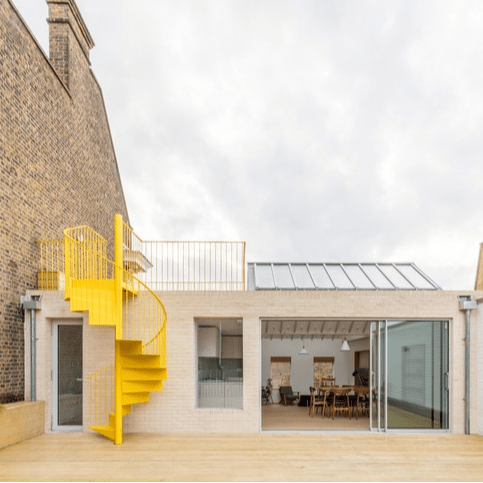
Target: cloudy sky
<point>314,130</point>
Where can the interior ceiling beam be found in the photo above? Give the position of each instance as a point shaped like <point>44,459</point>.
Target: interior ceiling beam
<point>330,335</point>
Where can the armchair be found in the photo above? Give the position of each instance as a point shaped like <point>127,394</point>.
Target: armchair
<point>287,396</point>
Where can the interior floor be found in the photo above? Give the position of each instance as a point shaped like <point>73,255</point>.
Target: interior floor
<point>295,418</point>
<point>290,418</point>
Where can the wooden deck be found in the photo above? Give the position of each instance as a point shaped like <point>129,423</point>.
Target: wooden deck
<point>254,457</point>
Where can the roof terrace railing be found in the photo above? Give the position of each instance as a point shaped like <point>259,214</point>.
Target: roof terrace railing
<point>185,265</point>
<point>162,265</point>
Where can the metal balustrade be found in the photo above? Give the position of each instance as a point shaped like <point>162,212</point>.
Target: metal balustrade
<point>51,273</point>
<point>101,390</point>
<point>159,265</point>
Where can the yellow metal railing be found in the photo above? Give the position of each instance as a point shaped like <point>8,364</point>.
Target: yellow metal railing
<point>114,296</point>
<point>51,274</point>
<point>143,313</point>
<point>144,317</point>
<point>101,390</point>
<point>85,257</point>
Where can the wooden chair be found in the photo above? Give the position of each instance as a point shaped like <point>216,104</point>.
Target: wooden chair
<point>363,401</point>
<point>287,396</point>
<point>327,381</point>
<point>316,402</point>
<point>341,401</point>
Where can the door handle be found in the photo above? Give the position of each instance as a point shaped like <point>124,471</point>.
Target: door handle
<point>79,380</point>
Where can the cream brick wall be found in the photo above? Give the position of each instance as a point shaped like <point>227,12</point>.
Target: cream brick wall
<point>20,421</point>
<point>174,409</point>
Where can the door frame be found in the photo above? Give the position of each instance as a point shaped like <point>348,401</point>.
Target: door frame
<point>55,375</point>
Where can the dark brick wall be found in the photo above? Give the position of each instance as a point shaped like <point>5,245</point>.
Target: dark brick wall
<point>57,162</point>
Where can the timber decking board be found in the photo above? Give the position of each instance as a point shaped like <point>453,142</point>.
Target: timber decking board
<point>245,457</point>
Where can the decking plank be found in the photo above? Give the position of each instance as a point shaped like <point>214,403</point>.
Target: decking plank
<point>245,457</point>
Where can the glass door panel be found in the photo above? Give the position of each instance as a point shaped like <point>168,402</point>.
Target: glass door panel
<point>67,408</point>
<point>417,394</point>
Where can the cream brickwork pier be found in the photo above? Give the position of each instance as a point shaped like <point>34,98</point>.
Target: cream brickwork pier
<point>254,457</point>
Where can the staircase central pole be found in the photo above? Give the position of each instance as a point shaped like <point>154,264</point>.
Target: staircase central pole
<point>118,242</point>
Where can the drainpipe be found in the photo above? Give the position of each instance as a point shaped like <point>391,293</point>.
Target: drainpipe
<point>467,303</point>
<point>32,303</point>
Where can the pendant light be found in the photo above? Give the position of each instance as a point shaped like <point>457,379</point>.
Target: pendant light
<point>345,346</point>
<point>303,351</point>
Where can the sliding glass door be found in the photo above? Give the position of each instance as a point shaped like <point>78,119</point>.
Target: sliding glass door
<point>409,375</point>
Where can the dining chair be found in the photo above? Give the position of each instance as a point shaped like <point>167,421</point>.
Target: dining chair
<point>363,400</point>
<point>340,402</point>
<point>316,402</point>
<point>328,381</point>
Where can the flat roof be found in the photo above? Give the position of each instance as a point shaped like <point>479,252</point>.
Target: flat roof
<point>337,276</point>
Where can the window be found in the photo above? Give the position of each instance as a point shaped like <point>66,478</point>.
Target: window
<point>220,363</point>
<point>280,371</point>
<point>323,367</point>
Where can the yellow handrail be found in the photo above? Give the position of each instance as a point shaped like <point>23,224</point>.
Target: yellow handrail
<point>51,273</point>
<point>101,389</point>
<point>143,314</point>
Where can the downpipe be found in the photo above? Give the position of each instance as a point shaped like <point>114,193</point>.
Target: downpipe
<point>467,303</point>
<point>32,303</point>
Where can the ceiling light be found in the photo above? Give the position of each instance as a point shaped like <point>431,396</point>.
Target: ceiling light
<point>345,346</point>
<point>303,351</point>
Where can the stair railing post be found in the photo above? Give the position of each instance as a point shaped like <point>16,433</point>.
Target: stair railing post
<point>66,266</point>
<point>118,261</point>
<point>118,242</point>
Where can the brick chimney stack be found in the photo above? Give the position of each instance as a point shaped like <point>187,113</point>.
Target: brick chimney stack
<point>68,35</point>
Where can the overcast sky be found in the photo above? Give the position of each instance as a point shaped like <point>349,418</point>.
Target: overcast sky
<point>316,131</point>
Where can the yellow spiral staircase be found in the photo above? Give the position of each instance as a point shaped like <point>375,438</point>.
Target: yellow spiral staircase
<point>113,296</point>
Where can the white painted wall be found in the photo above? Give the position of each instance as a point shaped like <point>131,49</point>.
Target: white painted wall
<point>302,365</point>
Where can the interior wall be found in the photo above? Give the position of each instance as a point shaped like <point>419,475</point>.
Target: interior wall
<point>302,365</point>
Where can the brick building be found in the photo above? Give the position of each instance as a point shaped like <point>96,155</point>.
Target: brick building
<point>58,167</point>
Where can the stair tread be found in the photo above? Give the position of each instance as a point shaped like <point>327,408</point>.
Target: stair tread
<point>104,430</point>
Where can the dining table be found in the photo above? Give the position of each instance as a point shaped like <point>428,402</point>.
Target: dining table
<point>354,392</point>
